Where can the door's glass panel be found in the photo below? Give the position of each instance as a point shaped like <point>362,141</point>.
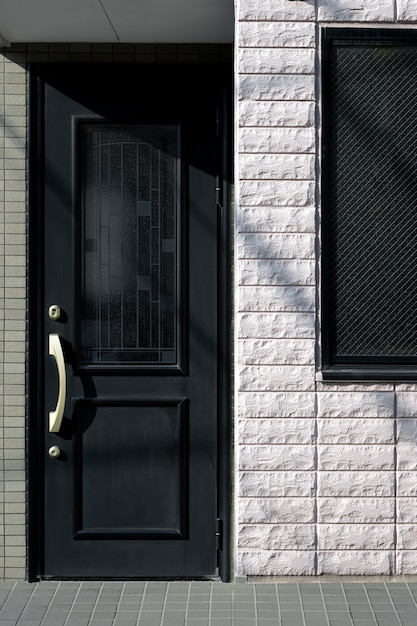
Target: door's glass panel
<point>129,243</point>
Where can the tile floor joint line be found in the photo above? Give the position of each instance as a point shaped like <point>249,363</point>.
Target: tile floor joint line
<point>392,603</point>
<point>96,601</point>
<point>8,596</point>
<point>278,605</point>
<point>50,603</point>
<point>411,595</point>
<point>210,602</point>
<point>301,604</point>
<point>347,604</point>
<point>119,601</point>
<point>370,604</point>
<point>141,603</point>
<point>324,604</point>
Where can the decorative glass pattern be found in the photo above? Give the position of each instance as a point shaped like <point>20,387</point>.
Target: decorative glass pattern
<point>130,191</point>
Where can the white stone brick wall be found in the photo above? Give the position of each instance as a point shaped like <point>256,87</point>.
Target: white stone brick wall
<point>326,473</point>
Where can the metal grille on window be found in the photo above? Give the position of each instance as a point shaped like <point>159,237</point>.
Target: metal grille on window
<point>129,214</point>
<point>373,201</point>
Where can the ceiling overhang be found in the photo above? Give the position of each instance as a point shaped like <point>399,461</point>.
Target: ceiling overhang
<point>128,21</point>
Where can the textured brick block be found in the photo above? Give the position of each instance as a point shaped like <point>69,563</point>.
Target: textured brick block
<point>406,484</point>
<point>267,61</point>
<point>277,193</point>
<point>356,431</point>
<point>276,245</point>
<point>351,404</point>
<point>273,404</point>
<point>273,484</point>
<point>407,404</point>
<point>278,299</point>
<point>273,35</point>
<point>407,537</point>
<point>274,10</point>
<point>356,563</point>
<point>276,272</point>
<point>276,377</point>
<point>276,511</point>
<point>277,537</point>
<point>356,510</point>
<point>356,457</point>
<point>407,10</point>
<point>406,562</point>
<point>269,563</point>
<point>276,431</point>
<point>407,444</point>
<point>277,140</point>
<point>276,167</point>
<point>289,114</point>
<point>407,510</point>
<point>356,537</point>
<point>356,10</point>
<point>356,484</point>
<point>276,457</point>
<point>286,325</point>
<point>277,87</point>
<point>276,351</point>
<point>406,456</point>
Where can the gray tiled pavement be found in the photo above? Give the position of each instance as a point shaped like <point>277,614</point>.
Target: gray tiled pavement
<point>208,604</point>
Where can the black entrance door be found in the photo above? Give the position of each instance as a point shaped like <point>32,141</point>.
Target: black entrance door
<point>128,166</point>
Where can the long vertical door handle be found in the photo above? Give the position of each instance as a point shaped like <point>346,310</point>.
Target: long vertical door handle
<point>55,350</point>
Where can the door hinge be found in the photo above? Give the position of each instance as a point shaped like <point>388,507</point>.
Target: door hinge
<point>219,533</point>
<point>219,192</point>
<point>218,195</point>
<point>219,198</point>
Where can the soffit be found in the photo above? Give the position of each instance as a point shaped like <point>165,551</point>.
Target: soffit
<point>130,21</point>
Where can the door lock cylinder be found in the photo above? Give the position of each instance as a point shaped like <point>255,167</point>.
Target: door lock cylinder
<point>54,452</point>
<point>54,312</point>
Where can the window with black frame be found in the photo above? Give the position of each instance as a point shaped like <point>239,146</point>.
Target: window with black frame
<point>369,185</point>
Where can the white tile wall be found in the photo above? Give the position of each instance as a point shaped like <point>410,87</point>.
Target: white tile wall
<point>13,195</point>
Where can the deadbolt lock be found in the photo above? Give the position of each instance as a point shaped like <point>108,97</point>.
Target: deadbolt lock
<point>54,452</point>
<point>54,312</point>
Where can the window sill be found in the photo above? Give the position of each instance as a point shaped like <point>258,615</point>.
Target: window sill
<point>367,374</point>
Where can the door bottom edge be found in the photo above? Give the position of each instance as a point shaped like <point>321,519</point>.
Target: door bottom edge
<point>214,578</point>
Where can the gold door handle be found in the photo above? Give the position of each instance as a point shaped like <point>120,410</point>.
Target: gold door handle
<point>55,350</point>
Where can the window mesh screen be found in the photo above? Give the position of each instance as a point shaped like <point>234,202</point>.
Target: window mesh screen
<point>373,201</point>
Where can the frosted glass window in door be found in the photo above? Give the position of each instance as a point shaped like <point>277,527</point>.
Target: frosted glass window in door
<point>129,177</point>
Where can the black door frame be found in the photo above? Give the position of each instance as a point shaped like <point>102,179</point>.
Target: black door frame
<point>35,438</point>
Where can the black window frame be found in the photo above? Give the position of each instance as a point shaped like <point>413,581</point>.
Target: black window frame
<point>351,368</point>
